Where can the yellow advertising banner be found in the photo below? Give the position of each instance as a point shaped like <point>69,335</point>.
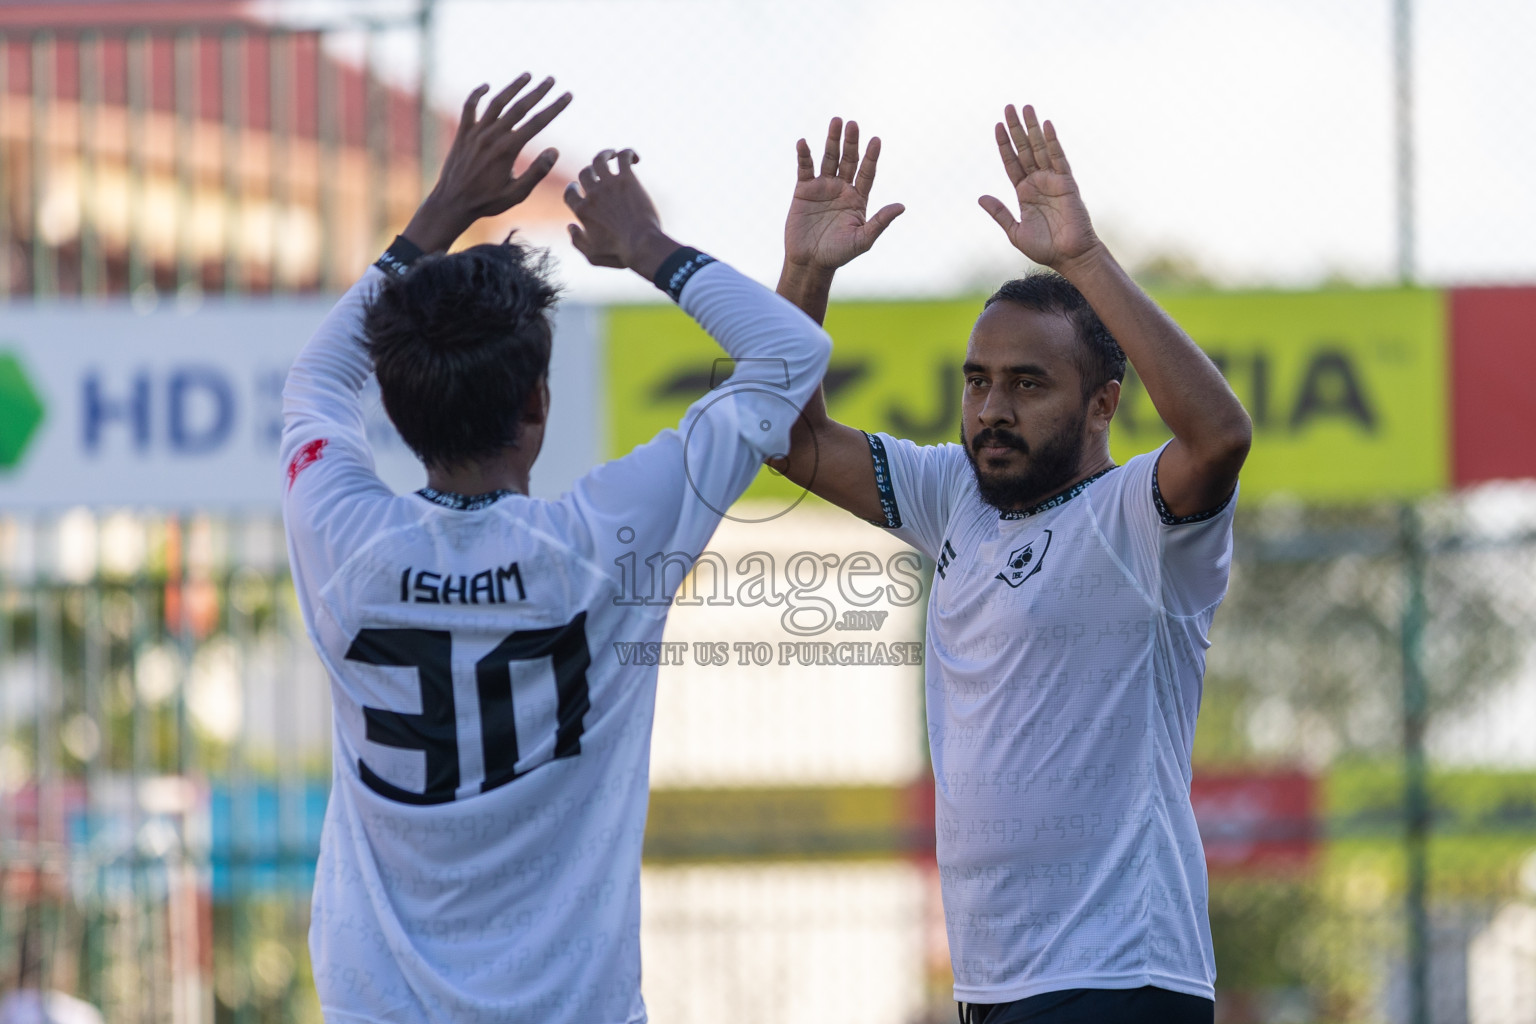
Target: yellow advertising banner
<point>1347,388</point>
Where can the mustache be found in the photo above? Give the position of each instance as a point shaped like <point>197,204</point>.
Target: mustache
<point>993,436</point>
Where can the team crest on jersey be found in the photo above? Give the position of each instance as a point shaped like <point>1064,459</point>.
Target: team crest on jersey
<point>1025,561</point>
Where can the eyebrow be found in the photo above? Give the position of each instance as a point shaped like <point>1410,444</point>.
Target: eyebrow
<point>1022,370</point>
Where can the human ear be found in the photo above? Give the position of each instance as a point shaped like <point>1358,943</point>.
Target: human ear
<point>1104,402</point>
<point>536,408</point>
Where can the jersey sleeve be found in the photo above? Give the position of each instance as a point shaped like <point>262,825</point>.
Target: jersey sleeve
<point>330,490</point>
<point>1184,561</point>
<point>668,495</point>
<point>918,486</point>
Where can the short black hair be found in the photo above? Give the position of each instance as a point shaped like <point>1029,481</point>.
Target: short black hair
<point>1100,359</point>
<point>458,344</point>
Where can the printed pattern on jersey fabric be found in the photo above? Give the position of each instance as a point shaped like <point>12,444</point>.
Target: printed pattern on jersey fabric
<point>481,852</point>
<point>1066,652</point>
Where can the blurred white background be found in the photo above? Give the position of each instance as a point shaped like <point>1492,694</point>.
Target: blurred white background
<point>1248,141</point>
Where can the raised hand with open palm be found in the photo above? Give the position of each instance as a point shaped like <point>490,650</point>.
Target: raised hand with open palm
<point>1052,228</point>
<point>478,176</point>
<point>827,224</point>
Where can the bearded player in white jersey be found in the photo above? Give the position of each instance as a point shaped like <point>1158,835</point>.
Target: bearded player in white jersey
<point>1071,601</point>
<point>481,853</point>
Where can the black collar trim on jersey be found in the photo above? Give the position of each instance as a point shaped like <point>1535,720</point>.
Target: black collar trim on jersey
<point>463,502</point>
<point>1050,503</point>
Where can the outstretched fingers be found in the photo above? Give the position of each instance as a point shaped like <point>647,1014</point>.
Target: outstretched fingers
<point>864,181</point>
<point>627,159</point>
<point>1019,138</point>
<point>850,161</point>
<point>1053,147</point>
<point>1037,146</point>
<point>541,120</point>
<point>525,103</point>
<point>999,212</point>
<point>471,106</point>
<point>876,225</point>
<point>500,100</point>
<point>830,155</point>
<point>805,170</point>
<point>1017,172</point>
<point>524,184</point>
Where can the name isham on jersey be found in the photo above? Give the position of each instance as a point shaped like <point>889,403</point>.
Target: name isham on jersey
<point>423,586</point>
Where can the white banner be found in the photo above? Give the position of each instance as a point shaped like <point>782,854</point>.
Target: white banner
<point>107,407</point>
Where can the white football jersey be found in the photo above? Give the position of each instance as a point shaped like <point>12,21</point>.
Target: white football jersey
<point>481,852</point>
<point>1066,652</point>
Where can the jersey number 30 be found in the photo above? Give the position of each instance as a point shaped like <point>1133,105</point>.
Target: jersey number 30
<point>435,730</point>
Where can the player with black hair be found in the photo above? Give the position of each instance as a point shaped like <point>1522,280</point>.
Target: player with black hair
<point>480,858</point>
<point>1100,357</point>
<point>1071,601</point>
<point>460,347</point>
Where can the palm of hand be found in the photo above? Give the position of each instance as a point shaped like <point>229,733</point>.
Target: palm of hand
<point>824,223</point>
<point>1053,222</point>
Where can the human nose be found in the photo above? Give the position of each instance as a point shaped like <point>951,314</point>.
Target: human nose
<point>995,409</point>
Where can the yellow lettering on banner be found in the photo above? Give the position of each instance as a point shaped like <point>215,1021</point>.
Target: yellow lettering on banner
<point>1347,389</point>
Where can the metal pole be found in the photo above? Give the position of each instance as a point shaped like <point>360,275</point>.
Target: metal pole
<point>44,282</point>
<point>47,680</point>
<point>280,71</point>
<point>233,61</point>
<point>96,707</point>
<point>243,819</point>
<point>1402,73</point>
<point>189,49</point>
<point>186,998</point>
<point>9,606</point>
<point>138,929</point>
<point>141,270</point>
<point>426,120</point>
<point>89,56</point>
<point>5,184</point>
<point>1415,781</point>
<point>328,130</point>
<point>375,140</point>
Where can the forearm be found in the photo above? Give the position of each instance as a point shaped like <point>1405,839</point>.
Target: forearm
<point>750,322</point>
<point>832,461</point>
<point>437,223</point>
<point>808,288</point>
<point>801,464</point>
<point>1185,387</point>
<point>780,358</point>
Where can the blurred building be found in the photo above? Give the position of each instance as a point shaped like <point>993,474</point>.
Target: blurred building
<point>199,146</point>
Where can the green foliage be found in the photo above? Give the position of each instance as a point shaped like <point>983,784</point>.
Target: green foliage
<point>1306,663</point>
<point>1296,935</point>
<point>261,968</point>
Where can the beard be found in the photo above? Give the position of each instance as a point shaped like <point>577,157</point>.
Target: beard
<point>1052,463</point>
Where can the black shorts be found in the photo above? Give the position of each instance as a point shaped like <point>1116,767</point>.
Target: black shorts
<point>1095,1006</point>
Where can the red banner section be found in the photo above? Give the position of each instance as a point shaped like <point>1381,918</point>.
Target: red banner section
<point>1260,823</point>
<point>1493,366</point>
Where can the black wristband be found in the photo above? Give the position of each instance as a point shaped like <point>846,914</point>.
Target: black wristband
<point>401,255</point>
<point>677,268</point>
